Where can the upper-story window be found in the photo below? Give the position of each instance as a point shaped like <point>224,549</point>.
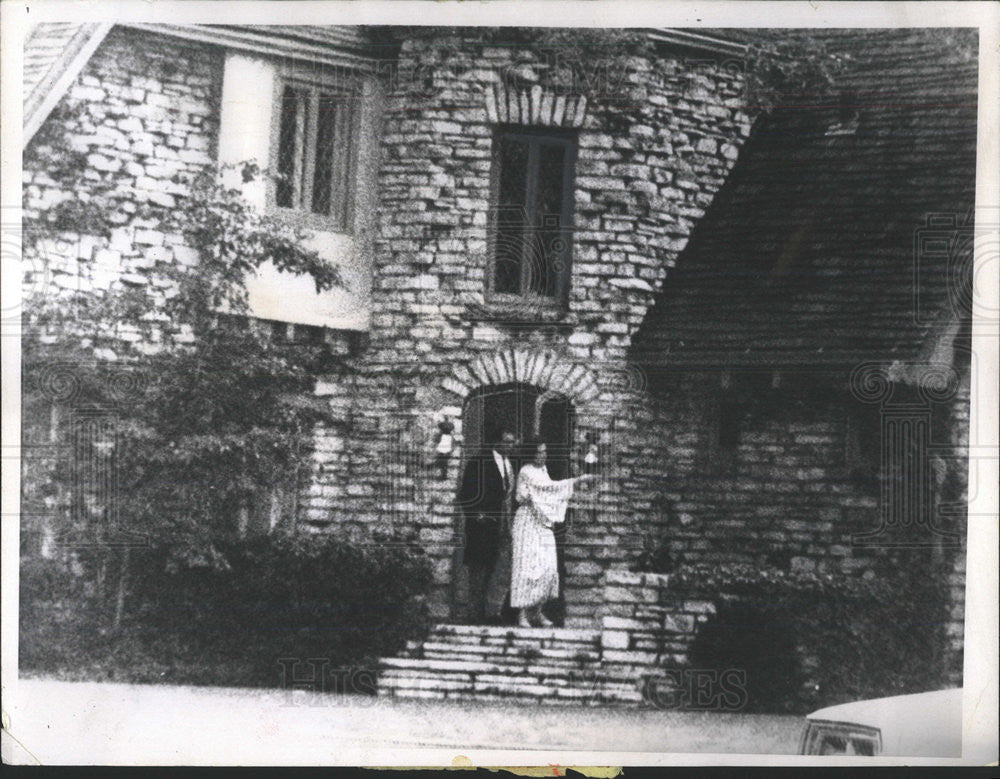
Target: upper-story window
<point>532,221</point>
<point>315,155</point>
<point>318,127</point>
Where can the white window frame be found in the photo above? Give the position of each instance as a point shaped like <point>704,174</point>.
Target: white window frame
<point>307,131</point>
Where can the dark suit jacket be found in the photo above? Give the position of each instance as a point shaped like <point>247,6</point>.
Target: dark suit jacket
<point>481,499</point>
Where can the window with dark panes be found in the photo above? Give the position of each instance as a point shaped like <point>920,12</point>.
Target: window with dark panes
<point>315,153</point>
<point>533,218</point>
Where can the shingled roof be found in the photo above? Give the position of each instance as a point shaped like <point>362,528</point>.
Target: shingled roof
<point>843,233</point>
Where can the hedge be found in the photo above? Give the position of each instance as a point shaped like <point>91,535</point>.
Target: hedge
<point>807,640</point>
<point>281,599</point>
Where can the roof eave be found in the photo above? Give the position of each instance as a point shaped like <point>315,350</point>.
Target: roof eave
<point>284,45</point>
<point>60,77</point>
<point>695,41</point>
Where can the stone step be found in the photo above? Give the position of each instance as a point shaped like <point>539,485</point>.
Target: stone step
<point>456,679</point>
<point>549,673</point>
<point>511,661</point>
<point>492,688</point>
<point>499,645</point>
<point>427,680</point>
<point>519,699</point>
<point>474,669</point>
<point>391,681</point>
<point>513,692</point>
<point>510,653</point>
<point>557,666</point>
<point>463,673</point>
<point>504,633</point>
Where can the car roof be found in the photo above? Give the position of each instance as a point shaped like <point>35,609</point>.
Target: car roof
<point>876,711</point>
<point>923,723</point>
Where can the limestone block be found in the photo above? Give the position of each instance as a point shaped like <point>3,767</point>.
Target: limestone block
<point>621,576</point>
<point>615,639</point>
<point>630,657</point>
<point>624,623</point>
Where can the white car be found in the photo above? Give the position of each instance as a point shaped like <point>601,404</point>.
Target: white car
<point>928,724</point>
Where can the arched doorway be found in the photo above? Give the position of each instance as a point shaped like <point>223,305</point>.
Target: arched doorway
<point>529,412</point>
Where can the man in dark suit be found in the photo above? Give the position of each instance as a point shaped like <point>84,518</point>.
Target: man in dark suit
<point>486,497</point>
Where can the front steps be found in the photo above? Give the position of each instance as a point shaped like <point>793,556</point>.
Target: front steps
<point>486,663</point>
<point>638,655</point>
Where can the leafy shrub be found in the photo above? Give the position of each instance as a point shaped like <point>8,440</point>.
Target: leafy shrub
<point>303,597</point>
<point>210,410</point>
<point>206,413</point>
<point>203,412</point>
<point>807,640</point>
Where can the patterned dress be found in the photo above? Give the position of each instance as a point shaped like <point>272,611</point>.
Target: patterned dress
<point>542,503</point>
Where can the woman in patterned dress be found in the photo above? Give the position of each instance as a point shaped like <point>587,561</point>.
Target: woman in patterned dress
<point>541,504</point>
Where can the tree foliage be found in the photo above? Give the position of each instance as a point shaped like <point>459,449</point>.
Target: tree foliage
<point>799,70</point>
<point>810,639</point>
<point>285,603</point>
<point>209,412</point>
<point>179,416</point>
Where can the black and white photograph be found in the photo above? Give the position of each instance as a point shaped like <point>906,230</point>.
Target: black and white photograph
<point>550,384</point>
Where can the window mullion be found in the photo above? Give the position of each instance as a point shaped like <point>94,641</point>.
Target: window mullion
<point>528,236</point>
<point>309,157</point>
<point>352,125</point>
<point>341,172</point>
<point>300,131</point>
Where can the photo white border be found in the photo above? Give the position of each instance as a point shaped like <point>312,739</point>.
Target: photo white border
<point>981,649</point>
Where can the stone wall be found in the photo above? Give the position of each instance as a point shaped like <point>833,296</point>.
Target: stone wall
<point>143,111</point>
<point>645,625</point>
<point>792,492</point>
<point>144,115</point>
<point>782,493</point>
<point>795,488</point>
<point>653,150</point>
<point>650,158</point>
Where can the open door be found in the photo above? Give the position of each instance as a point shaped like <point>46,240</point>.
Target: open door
<point>529,412</point>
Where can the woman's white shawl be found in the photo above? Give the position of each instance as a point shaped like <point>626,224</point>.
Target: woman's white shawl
<point>548,498</point>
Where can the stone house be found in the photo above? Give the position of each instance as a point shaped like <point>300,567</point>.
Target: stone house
<point>610,253</point>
